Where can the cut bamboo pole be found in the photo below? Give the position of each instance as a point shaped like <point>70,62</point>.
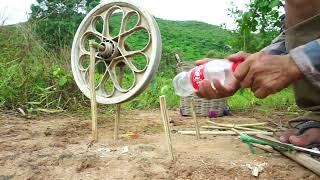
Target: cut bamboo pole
<point>92,90</point>
<point>237,125</point>
<point>195,121</point>
<point>224,132</point>
<point>254,128</point>
<point>301,158</point>
<point>165,119</point>
<point>118,107</point>
<point>264,147</point>
<point>229,127</point>
<point>216,127</point>
<point>117,122</point>
<point>236,131</point>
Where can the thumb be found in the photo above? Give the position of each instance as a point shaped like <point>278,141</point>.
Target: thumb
<point>240,56</point>
<point>203,61</point>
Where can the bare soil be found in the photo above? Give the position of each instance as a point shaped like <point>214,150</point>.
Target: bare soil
<point>59,147</point>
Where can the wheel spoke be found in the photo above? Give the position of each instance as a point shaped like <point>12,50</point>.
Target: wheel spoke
<point>84,42</point>
<point>81,59</point>
<point>136,54</point>
<point>112,71</point>
<point>106,19</point>
<point>128,32</point>
<point>126,18</point>
<point>122,39</point>
<point>103,83</point>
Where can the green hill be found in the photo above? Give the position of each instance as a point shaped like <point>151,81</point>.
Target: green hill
<point>194,39</point>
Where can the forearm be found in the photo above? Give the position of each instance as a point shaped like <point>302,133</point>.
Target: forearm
<point>307,58</point>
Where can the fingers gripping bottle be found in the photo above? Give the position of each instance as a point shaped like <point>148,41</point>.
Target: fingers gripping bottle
<point>185,83</point>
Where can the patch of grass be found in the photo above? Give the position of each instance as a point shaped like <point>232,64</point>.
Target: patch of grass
<point>245,99</point>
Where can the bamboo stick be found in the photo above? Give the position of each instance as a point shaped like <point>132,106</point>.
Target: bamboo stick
<point>228,128</point>
<point>235,126</point>
<point>92,90</point>
<point>118,107</point>
<point>117,122</point>
<point>264,147</point>
<point>264,128</point>
<point>165,119</point>
<point>236,131</point>
<point>301,158</point>
<point>252,124</point>
<point>224,132</point>
<point>194,116</point>
<point>216,127</point>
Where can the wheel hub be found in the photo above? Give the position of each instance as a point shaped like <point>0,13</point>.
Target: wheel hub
<point>108,50</point>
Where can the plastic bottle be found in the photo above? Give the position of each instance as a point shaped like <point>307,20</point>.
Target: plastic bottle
<point>185,83</point>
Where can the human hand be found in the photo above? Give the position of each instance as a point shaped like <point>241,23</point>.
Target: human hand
<point>220,91</point>
<point>267,74</point>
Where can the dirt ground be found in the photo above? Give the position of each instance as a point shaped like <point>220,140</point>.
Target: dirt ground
<point>58,147</point>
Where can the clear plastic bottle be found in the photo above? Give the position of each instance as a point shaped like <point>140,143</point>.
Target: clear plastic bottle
<point>185,83</point>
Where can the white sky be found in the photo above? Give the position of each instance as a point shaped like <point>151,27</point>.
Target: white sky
<point>209,11</point>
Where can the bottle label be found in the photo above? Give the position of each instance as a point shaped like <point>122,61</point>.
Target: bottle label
<point>196,76</point>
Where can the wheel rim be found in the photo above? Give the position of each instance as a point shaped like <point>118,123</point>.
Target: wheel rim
<point>115,53</point>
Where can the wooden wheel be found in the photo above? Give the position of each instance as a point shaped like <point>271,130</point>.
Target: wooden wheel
<point>117,51</point>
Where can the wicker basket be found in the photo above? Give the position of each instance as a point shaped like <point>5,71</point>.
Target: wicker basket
<point>202,106</point>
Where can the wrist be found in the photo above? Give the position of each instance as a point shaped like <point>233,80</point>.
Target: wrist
<point>293,69</point>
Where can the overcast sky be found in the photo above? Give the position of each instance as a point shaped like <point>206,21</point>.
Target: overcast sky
<point>209,11</point>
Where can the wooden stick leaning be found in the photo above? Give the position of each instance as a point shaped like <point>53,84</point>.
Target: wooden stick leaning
<point>229,132</point>
<point>301,158</point>
<point>194,116</point>
<point>93,47</point>
<point>118,107</point>
<point>165,119</point>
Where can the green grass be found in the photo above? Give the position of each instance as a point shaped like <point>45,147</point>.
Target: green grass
<point>245,99</point>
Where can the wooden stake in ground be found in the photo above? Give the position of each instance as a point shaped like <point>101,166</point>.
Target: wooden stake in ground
<point>165,119</point>
<point>116,122</point>
<point>93,47</point>
<point>118,107</point>
<point>194,116</point>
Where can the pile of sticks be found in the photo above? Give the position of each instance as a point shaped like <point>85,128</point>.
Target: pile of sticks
<point>233,129</point>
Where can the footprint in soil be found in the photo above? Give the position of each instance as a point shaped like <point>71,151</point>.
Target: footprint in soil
<point>87,162</point>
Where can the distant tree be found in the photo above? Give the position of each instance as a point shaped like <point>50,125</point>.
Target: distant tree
<point>55,21</point>
<point>258,24</point>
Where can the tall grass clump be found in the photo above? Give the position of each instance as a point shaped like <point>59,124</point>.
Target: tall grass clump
<point>32,77</point>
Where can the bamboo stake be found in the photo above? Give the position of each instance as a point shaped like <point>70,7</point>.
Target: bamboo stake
<point>116,122</point>
<point>165,119</point>
<point>93,47</point>
<point>118,107</point>
<point>196,124</point>
<point>224,132</point>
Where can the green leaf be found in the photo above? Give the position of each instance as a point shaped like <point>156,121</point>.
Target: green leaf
<point>274,3</point>
<point>63,80</point>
